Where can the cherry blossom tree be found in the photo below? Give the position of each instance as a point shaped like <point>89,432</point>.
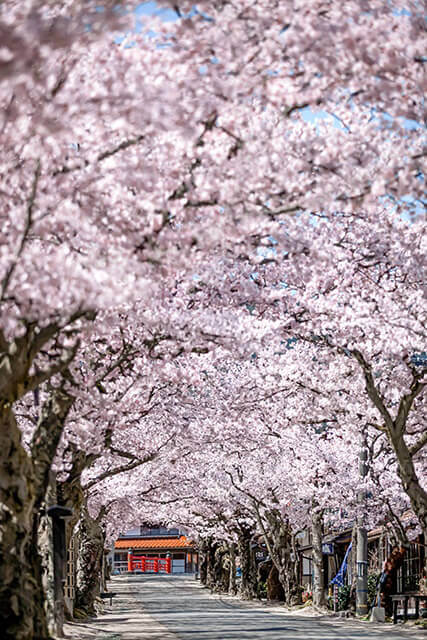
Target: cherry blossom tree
<point>154,169</point>
<point>352,287</point>
<point>268,454</point>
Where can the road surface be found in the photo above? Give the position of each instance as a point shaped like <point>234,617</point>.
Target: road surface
<point>160,607</point>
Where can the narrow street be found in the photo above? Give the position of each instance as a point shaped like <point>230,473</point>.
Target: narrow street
<point>160,607</point>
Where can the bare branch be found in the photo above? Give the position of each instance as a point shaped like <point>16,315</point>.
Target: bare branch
<point>372,390</point>
<point>417,446</point>
<point>125,144</point>
<point>122,469</point>
<point>407,401</point>
<point>38,378</point>
<point>133,464</point>
<point>46,436</point>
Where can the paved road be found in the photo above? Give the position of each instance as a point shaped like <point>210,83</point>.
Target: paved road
<point>158,607</point>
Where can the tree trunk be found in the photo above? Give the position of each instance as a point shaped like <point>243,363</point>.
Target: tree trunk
<point>395,430</point>
<point>203,562</point>
<point>23,486</point>
<point>221,570</point>
<point>18,586</point>
<point>105,569</point>
<point>210,567</point>
<point>274,588</point>
<point>44,444</point>
<point>232,588</point>
<point>248,582</point>
<point>410,481</point>
<point>45,545</point>
<point>319,599</point>
<point>283,552</point>
<point>89,564</point>
<point>40,610</point>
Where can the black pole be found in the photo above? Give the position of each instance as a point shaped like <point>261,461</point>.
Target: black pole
<point>58,515</point>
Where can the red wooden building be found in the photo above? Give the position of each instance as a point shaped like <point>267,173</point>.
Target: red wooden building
<point>154,550</point>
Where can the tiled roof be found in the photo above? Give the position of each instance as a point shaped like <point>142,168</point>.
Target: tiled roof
<point>154,543</point>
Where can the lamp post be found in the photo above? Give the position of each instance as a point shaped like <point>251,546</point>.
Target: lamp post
<point>58,514</point>
<point>362,537</point>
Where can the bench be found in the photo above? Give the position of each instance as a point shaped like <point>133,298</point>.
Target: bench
<point>405,597</point>
<point>108,595</point>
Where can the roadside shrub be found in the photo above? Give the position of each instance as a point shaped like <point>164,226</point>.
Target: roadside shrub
<point>373,580</point>
<point>343,597</point>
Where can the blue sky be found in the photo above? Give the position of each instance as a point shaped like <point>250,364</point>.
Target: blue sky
<point>152,8</point>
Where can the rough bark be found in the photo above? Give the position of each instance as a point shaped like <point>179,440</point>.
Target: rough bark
<point>44,444</point>
<point>410,481</point>
<point>248,584</point>
<point>22,480</point>
<point>89,563</point>
<point>45,544</point>
<point>71,494</point>
<point>18,586</point>
<point>105,569</point>
<point>395,429</point>
<point>40,620</point>
<point>232,587</point>
<point>23,485</point>
<point>221,569</point>
<point>262,573</point>
<point>283,552</point>
<point>274,588</point>
<point>46,438</point>
<point>203,562</point>
<point>210,567</point>
<point>319,597</point>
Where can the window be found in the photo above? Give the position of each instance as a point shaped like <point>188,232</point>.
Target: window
<point>155,532</point>
<point>374,556</point>
<point>408,575</point>
<point>306,572</point>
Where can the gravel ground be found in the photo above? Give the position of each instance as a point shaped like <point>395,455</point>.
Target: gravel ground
<point>160,607</point>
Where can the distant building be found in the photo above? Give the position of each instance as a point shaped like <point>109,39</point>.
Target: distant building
<point>154,550</point>
<point>402,566</point>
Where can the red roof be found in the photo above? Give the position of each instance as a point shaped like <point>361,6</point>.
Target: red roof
<point>154,543</point>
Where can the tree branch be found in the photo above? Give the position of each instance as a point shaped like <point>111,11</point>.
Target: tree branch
<point>406,403</point>
<point>125,144</point>
<point>122,469</point>
<point>372,390</point>
<point>38,378</point>
<point>47,435</point>
<point>27,228</point>
<point>417,446</point>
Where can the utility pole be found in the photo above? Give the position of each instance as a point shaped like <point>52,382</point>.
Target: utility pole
<point>362,536</point>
